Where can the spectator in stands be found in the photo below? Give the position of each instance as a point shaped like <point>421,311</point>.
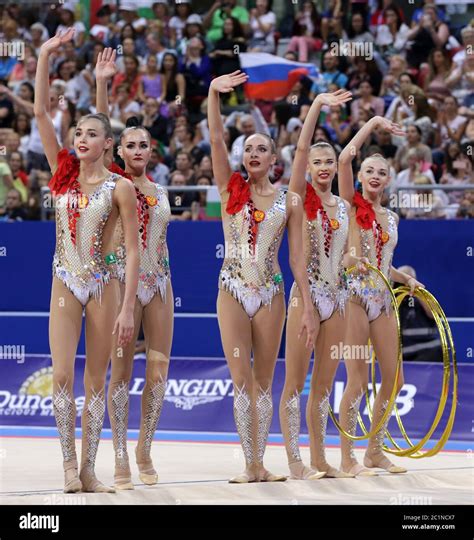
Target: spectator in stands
<point>224,59</point>
<point>338,127</point>
<point>331,20</point>
<point>467,38</point>
<point>6,181</point>
<point>180,201</point>
<point>193,29</point>
<point>204,167</point>
<point>466,208</point>
<point>129,16</point>
<point>399,107</point>
<point>152,83</point>
<point>128,49</point>
<point>162,18</point>
<point>156,47</point>
<point>391,37</point>
<point>23,102</point>
<point>123,106</point>
<point>262,24</point>
<point>156,169</point>
<point>383,139</point>
<point>306,32</point>
<point>427,33</point>
<point>39,34</point>
<point>18,174</point>
<point>198,207</point>
<point>221,10</point>
<point>458,171</point>
<point>175,83</point>
<point>19,69</point>
<point>183,138</point>
<point>196,69</point>
<point>13,209</point>
<point>101,30</point>
<point>154,121</point>
<point>366,100</point>
<point>184,164</point>
<point>177,22</point>
<point>357,30</point>
<point>66,13</point>
<point>131,77</point>
<point>413,140</point>
<point>425,204</point>
<point>22,125</point>
<point>330,75</point>
<point>439,69</point>
<point>423,117</point>
<point>416,166</point>
<point>461,81</point>
<point>451,124</point>
<point>364,70</point>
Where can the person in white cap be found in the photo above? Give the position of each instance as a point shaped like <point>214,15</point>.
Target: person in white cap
<point>39,34</point>
<point>128,15</point>
<point>177,23</point>
<point>68,20</point>
<point>192,29</point>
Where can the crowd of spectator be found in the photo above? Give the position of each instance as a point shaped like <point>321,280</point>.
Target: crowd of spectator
<point>416,68</point>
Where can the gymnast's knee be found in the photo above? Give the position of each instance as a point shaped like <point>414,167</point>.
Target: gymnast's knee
<point>157,365</point>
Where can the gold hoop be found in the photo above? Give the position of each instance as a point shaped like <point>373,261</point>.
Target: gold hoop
<point>447,344</point>
<point>393,396</point>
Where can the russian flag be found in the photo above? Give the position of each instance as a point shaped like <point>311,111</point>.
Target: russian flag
<point>272,77</point>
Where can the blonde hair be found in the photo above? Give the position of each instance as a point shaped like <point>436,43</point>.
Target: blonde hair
<point>376,156</point>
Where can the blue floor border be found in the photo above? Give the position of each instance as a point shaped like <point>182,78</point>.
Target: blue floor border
<point>209,437</point>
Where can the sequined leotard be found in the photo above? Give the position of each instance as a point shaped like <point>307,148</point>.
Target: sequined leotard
<point>325,242</point>
<point>378,246</point>
<point>250,271</point>
<point>154,272</point>
<point>78,259</point>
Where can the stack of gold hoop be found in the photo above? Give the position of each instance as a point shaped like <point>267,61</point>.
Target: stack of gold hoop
<point>449,360</point>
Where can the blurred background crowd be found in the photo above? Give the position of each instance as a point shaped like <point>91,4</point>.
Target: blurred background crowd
<point>412,62</point>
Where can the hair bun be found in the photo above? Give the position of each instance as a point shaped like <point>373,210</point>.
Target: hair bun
<point>132,122</point>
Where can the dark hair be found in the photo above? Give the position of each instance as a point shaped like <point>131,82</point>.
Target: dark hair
<point>408,75</point>
<point>175,67</point>
<point>420,133</point>
<point>448,160</point>
<point>133,124</point>
<point>178,3</point>
<point>103,119</point>
<point>204,175</point>
<point>134,32</point>
<point>30,88</point>
<point>315,19</point>
<point>325,131</point>
<point>237,30</point>
<point>350,30</point>
<point>134,58</point>
<point>270,140</point>
<point>423,108</point>
<point>394,8</point>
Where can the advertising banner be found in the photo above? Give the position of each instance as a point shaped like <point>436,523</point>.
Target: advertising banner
<point>199,396</point>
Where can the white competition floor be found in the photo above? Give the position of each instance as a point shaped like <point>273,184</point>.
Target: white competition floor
<point>194,469</point>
